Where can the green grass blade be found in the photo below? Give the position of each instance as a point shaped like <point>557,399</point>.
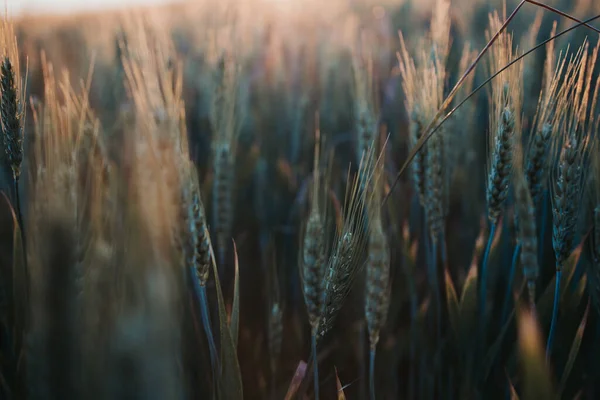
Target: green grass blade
<point>19,292</point>
<point>296,381</point>
<point>513,392</point>
<point>536,377</point>
<point>340,389</point>
<point>230,377</point>
<point>468,308</point>
<point>452,302</point>
<point>494,349</point>
<point>574,351</point>
<point>544,303</point>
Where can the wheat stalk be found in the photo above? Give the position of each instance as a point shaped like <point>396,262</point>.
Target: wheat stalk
<point>226,118</point>
<point>505,100</point>
<point>569,175</point>
<point>349,245</point>
<point>378,286</point>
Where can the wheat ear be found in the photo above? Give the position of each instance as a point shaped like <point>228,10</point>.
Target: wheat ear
<point>505,103</point>
<point>593,268</point>
<point>226,118</point>
<point>377,296</point>
<point>313,255</point>
<point>569,174</point>
<point>196,250</point>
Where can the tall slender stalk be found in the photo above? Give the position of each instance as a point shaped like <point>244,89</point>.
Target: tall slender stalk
<point>313,341</point>
<point>483,280</point>
<point>372,353</point>
<point>206,323</point>
<point>511,278</point>
<point>435,287</point>
<point>553,322</point>
<point>21,229</point>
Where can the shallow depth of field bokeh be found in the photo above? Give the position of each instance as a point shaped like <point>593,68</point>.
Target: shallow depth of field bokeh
<point>199,197</point>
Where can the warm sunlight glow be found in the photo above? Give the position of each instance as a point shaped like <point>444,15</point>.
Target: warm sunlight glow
<point>16,7</point>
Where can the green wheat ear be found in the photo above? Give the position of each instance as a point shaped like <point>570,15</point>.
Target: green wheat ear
<point>11,119</point>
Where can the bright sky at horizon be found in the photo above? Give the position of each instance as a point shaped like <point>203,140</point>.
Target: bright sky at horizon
<point>18,7</point>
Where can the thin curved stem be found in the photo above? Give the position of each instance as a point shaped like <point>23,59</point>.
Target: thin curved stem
<point>444,250</point>
<point>435,285</point>
<point>413,335</point>
<point>484,270</point>
<point>205,315</point>
<point>543,224</point>
<point>22,234</point>
<point>372,371</point>
<point>562,14</point>
<point>18,209</point>
<point>363,368</point>
<point>554,314</point>
<point>531,290</point>
<point>313,339</point>
<point>511,278</point>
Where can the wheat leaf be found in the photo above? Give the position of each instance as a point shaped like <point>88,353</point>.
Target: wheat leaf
<point>296,380</point>
<point>536,377</point>
<point>513,392</point>
<point>468,306</point>
<point>230,377</point>
<point>544,304</point>
<point>340,389</point>
<point>574,351</point>
<point>497,345</point>
<point>452,300</point>
<point>18,288</point>
<point>235,309</point>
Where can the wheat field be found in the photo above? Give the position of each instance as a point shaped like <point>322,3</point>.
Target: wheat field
<point>298,199</point>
